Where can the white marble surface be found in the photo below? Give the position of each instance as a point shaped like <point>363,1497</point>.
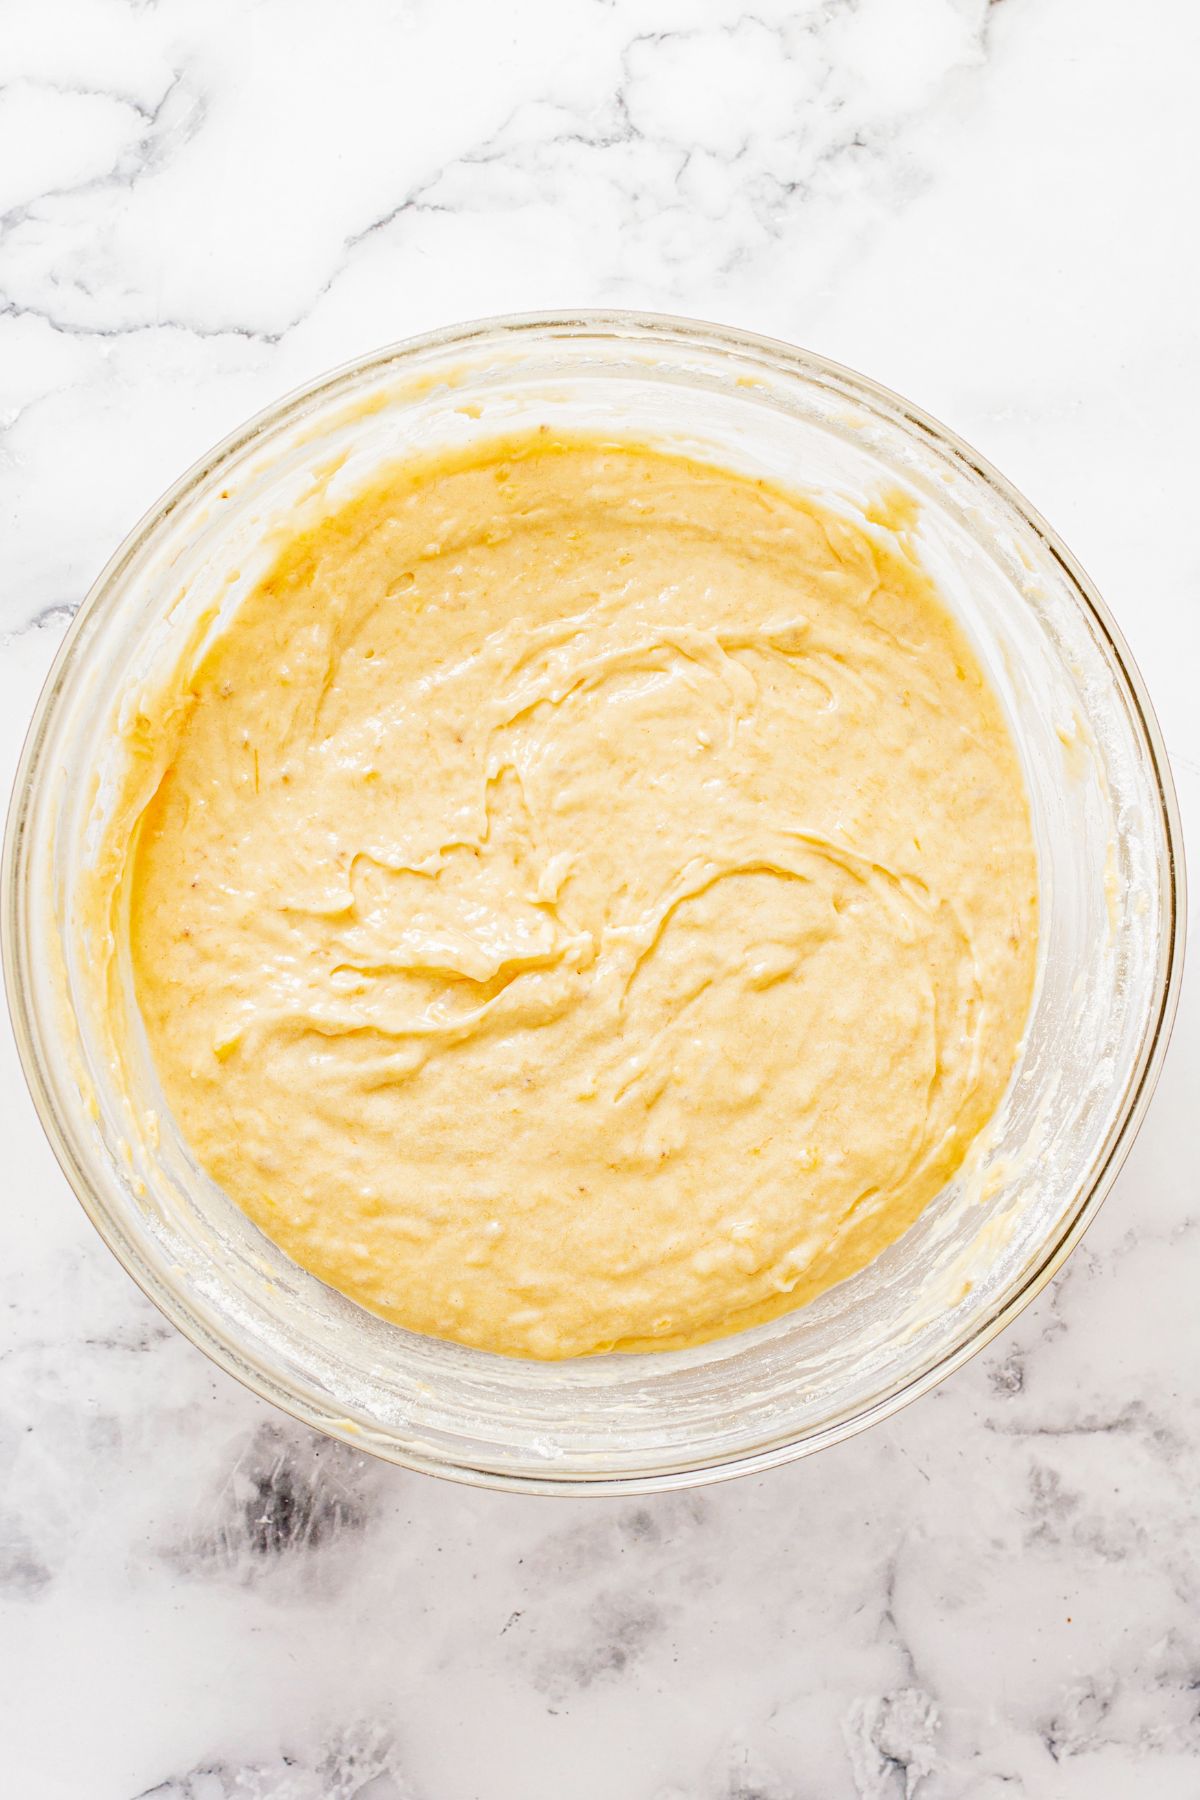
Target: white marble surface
<point>992,208</point>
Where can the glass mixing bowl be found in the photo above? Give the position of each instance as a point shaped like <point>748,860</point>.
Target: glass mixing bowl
<point>1111,942</point>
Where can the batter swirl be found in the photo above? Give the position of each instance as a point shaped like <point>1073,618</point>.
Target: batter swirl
<point>586,898</point>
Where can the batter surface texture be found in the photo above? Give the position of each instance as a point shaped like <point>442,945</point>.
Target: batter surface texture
<point>587,898</point>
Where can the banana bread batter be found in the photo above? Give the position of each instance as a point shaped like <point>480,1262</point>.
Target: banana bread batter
<point>587,898</point>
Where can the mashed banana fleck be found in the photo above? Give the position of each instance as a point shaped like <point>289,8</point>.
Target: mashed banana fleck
<point>587,898</point>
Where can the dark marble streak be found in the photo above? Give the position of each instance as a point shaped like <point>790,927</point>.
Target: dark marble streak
<point>288,1495</point>
<point>623,1569</point>
<point>616,1632</point>
<point>360,1763</point>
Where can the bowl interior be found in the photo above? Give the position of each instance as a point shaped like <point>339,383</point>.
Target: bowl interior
<point>1108,955</point>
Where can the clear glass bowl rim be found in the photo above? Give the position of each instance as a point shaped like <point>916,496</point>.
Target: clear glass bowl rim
<point>37,1038</point>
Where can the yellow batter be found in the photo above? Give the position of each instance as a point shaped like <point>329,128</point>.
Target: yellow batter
<point>587,898</point>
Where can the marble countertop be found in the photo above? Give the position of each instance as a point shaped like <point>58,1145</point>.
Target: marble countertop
<point>989,207</point>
